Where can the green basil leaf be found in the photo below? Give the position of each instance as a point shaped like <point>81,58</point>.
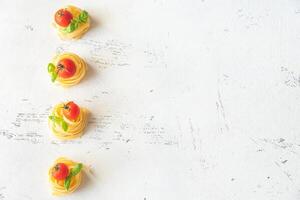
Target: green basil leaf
<point>54,119</point>
<point>71,27</point>
<point>84,13</point>
<point>76,169</point>
<point>64,125</point>
<point>54,76</point>
<point>51,67</point>
<point>59,121</point>
<point>74,172</point>
<point>76,25</point>
<point>68,29</point>
<point>83,16</point>
<point>67,182</point>
<point>74,21</point>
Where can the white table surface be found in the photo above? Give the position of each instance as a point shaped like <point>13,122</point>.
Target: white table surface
<point>190,100</point>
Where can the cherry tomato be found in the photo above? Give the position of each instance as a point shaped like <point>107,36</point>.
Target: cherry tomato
<point>66,68</point>
<point>63,17</point>
<point>60,171</point>
<point>71,110</point>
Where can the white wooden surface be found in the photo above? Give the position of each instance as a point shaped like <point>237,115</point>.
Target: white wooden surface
<point>195,99</point>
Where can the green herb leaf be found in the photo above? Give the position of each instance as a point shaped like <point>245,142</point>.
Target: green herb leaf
<point>76,169</point>
<point>67,182</point>
<point>82,18</point>
<point>59,121</point>
<point>64,125</point>
<point>54,119</point>
<point>71,27</point>
<point>74,172</point>
<point>51,67</point>
<point>54,76</point>
<point>76,24</point>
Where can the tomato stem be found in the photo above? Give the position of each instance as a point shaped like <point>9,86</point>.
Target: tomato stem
<point>66,107</point>
<point>60,67</point>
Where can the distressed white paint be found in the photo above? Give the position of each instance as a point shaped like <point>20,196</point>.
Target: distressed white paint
<point>195,99</point>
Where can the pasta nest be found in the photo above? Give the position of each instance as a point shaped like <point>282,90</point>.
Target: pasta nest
<point>81,68</point>
<point>75,128</point>
<point>79,32</point>
<point>58,185</point>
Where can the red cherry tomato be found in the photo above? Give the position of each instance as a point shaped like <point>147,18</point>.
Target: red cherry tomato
<point>66,68</point>
<point>71,110</point>
<point>60,171</point>
<point>63,17</point>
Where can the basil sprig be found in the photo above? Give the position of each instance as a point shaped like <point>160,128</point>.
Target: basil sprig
<point>74,172</point>
<point>82,18</point>
<point>59,121</point>
<point>52,71</point>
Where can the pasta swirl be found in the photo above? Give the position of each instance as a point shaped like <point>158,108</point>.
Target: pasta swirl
<point>75,128</point>
<point>81,29</point>
<point>80,69</point>
<point>58,185</point>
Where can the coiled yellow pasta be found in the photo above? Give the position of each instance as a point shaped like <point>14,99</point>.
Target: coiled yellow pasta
<point>75,128</point>
<point>76,34</point>
<point>58,185</point>
<point>80,69</point>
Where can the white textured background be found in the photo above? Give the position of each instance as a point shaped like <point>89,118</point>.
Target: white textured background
<point>190,99</point>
